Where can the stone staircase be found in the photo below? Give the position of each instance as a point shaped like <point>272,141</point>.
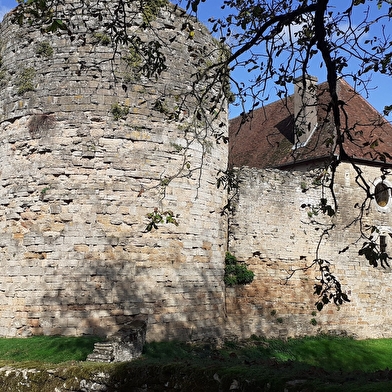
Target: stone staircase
<point>124,345</point>
<point>103,352</point>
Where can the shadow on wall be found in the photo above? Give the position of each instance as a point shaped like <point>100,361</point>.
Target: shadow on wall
<point>99,296</point>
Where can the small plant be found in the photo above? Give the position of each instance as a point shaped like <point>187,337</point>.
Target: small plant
<point>279,320</point>
<point>25,81</point>
<point>236,273</point>
<point>119,111</point>
<point>161,106</point>
<point>101,39</point>
<point>177,147</point>
<point>43,193</point>
<point>156,217</point>
<point>133,62</point>
<point>151,9</point>
<point>44,49</point>
<point>313,321</point>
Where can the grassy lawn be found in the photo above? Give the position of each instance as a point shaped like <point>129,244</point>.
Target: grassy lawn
<point>326,352</point>
<point>47,349</point>
<point>322,363</point>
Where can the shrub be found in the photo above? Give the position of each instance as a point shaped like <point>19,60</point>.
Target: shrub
<point>236,272</point>
<point>119,111</point>
<point>44,49</point>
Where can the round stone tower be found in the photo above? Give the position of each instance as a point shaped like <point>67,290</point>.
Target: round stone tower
<point>99,144</point>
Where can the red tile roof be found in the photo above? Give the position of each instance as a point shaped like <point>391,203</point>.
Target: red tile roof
<point>266,138</point>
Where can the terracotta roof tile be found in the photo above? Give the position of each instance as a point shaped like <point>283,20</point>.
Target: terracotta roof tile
<point>266,138</point>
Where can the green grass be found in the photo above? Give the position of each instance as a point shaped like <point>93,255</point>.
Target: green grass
<point>47,349</point>
<point>326,352</point>
<point>322,364</point>
<point>336,353</point>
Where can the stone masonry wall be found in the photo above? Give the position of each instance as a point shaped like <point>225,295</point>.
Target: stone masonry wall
<point>89,146</point>
<point>77,183</point>
<point>272,232</point>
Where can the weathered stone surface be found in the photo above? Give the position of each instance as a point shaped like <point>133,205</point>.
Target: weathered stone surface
<point>75,190</point>
<point>275,235</point>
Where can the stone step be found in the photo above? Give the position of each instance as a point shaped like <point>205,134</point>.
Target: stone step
<point>103,346</point>
<point>125,345</point>
<point>98,358</point>
<point>103,352</point>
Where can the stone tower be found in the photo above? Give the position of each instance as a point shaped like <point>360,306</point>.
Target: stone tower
<point>90,145</point>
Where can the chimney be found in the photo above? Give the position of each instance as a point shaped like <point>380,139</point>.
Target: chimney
<point>305,109</point>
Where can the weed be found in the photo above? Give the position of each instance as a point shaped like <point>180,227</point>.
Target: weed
<point>151,9</point>
<point>44,49</point>
<point>177,147</point>
<point>101,39</point>
<point>134,63</point>
<point>119,111</point>
<point>43,193</point>
<point>25,81</point>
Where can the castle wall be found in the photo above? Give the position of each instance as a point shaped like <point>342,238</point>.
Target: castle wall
<point>274,235</point>
<point>77,184</point>
<point>90,146</point>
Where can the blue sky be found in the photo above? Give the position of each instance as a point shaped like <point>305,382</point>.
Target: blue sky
<point>381,87</point>
<point>5,6</point>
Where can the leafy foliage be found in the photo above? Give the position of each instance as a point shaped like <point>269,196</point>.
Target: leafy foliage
<point>156,217</point>
<point>236,272</point>
<point>44,49</point>
<point>228,180</point>
<point>119,111</point>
